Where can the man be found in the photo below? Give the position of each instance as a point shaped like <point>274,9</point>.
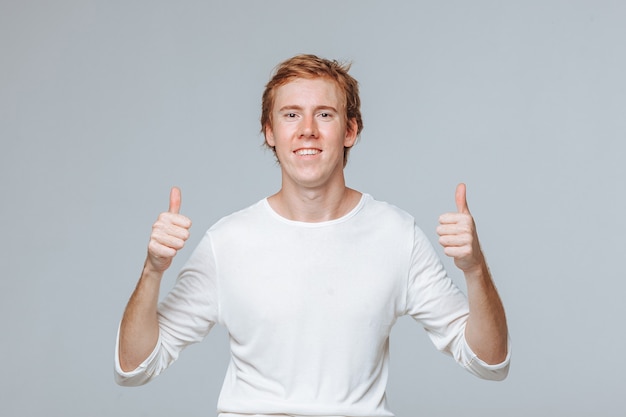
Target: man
<point>310,280</point>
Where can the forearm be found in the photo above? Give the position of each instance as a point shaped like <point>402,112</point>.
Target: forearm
<point>139,329</point>
<point>486,331</point>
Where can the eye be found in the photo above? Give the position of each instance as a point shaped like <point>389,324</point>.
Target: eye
<point>290,115</point>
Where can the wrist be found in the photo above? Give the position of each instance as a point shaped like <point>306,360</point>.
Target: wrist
<point>478,272</point>
<point>152,271</point>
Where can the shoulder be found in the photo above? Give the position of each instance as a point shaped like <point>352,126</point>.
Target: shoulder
<point>386,219</point>
<point>241,219</point>
<point>393,218</point>
<point>385,211</point>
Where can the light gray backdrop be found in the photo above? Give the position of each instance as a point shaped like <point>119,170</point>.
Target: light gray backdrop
<point>106,104</point>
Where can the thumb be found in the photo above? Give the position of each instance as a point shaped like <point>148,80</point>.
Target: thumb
<point>461,199</point>
<point>175,198</point>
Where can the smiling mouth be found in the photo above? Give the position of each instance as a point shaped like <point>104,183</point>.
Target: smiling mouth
<point>307,151</point>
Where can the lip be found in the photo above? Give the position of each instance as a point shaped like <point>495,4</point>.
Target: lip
<point>310,152</point>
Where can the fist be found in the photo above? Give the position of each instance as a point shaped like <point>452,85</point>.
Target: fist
<point>457,235</point>
<point>169,234</point>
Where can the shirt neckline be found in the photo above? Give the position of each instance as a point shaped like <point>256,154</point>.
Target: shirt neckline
<point>345,217</point>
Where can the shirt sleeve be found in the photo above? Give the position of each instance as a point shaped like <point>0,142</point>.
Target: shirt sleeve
<point>442,309</point>
<point>186,315</point>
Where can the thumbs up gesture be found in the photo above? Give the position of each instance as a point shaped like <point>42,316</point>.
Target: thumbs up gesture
<point>457,235</point>
<point>169,234</point>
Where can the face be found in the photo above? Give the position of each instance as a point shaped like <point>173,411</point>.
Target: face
<point>309,132</point>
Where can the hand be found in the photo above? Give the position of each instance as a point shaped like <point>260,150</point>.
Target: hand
<point>169,234</point>
<point>457,235</point>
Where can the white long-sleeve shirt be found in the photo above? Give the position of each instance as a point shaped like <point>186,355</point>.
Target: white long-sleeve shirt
<point>309,308</point>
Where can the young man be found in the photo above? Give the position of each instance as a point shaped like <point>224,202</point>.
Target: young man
<point>310,280</point>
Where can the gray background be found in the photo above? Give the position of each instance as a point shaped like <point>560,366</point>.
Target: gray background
<point>106,104</point>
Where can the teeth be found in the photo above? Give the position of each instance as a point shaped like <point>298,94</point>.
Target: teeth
<point>307,151</point>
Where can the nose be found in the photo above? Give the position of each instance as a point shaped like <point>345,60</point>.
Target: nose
<point>308,127</point>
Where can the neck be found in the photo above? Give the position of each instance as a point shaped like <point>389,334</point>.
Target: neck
<point>314,205</point>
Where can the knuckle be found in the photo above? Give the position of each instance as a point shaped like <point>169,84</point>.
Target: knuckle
<point>154,247</point>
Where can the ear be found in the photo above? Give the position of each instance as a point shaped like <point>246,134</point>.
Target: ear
<point>351,133</point>
<point>269,135</point>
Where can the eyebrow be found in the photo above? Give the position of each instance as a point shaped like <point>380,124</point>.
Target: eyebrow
<point>296,107</point>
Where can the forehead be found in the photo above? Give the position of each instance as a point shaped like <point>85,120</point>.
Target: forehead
<point>305,91</point>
